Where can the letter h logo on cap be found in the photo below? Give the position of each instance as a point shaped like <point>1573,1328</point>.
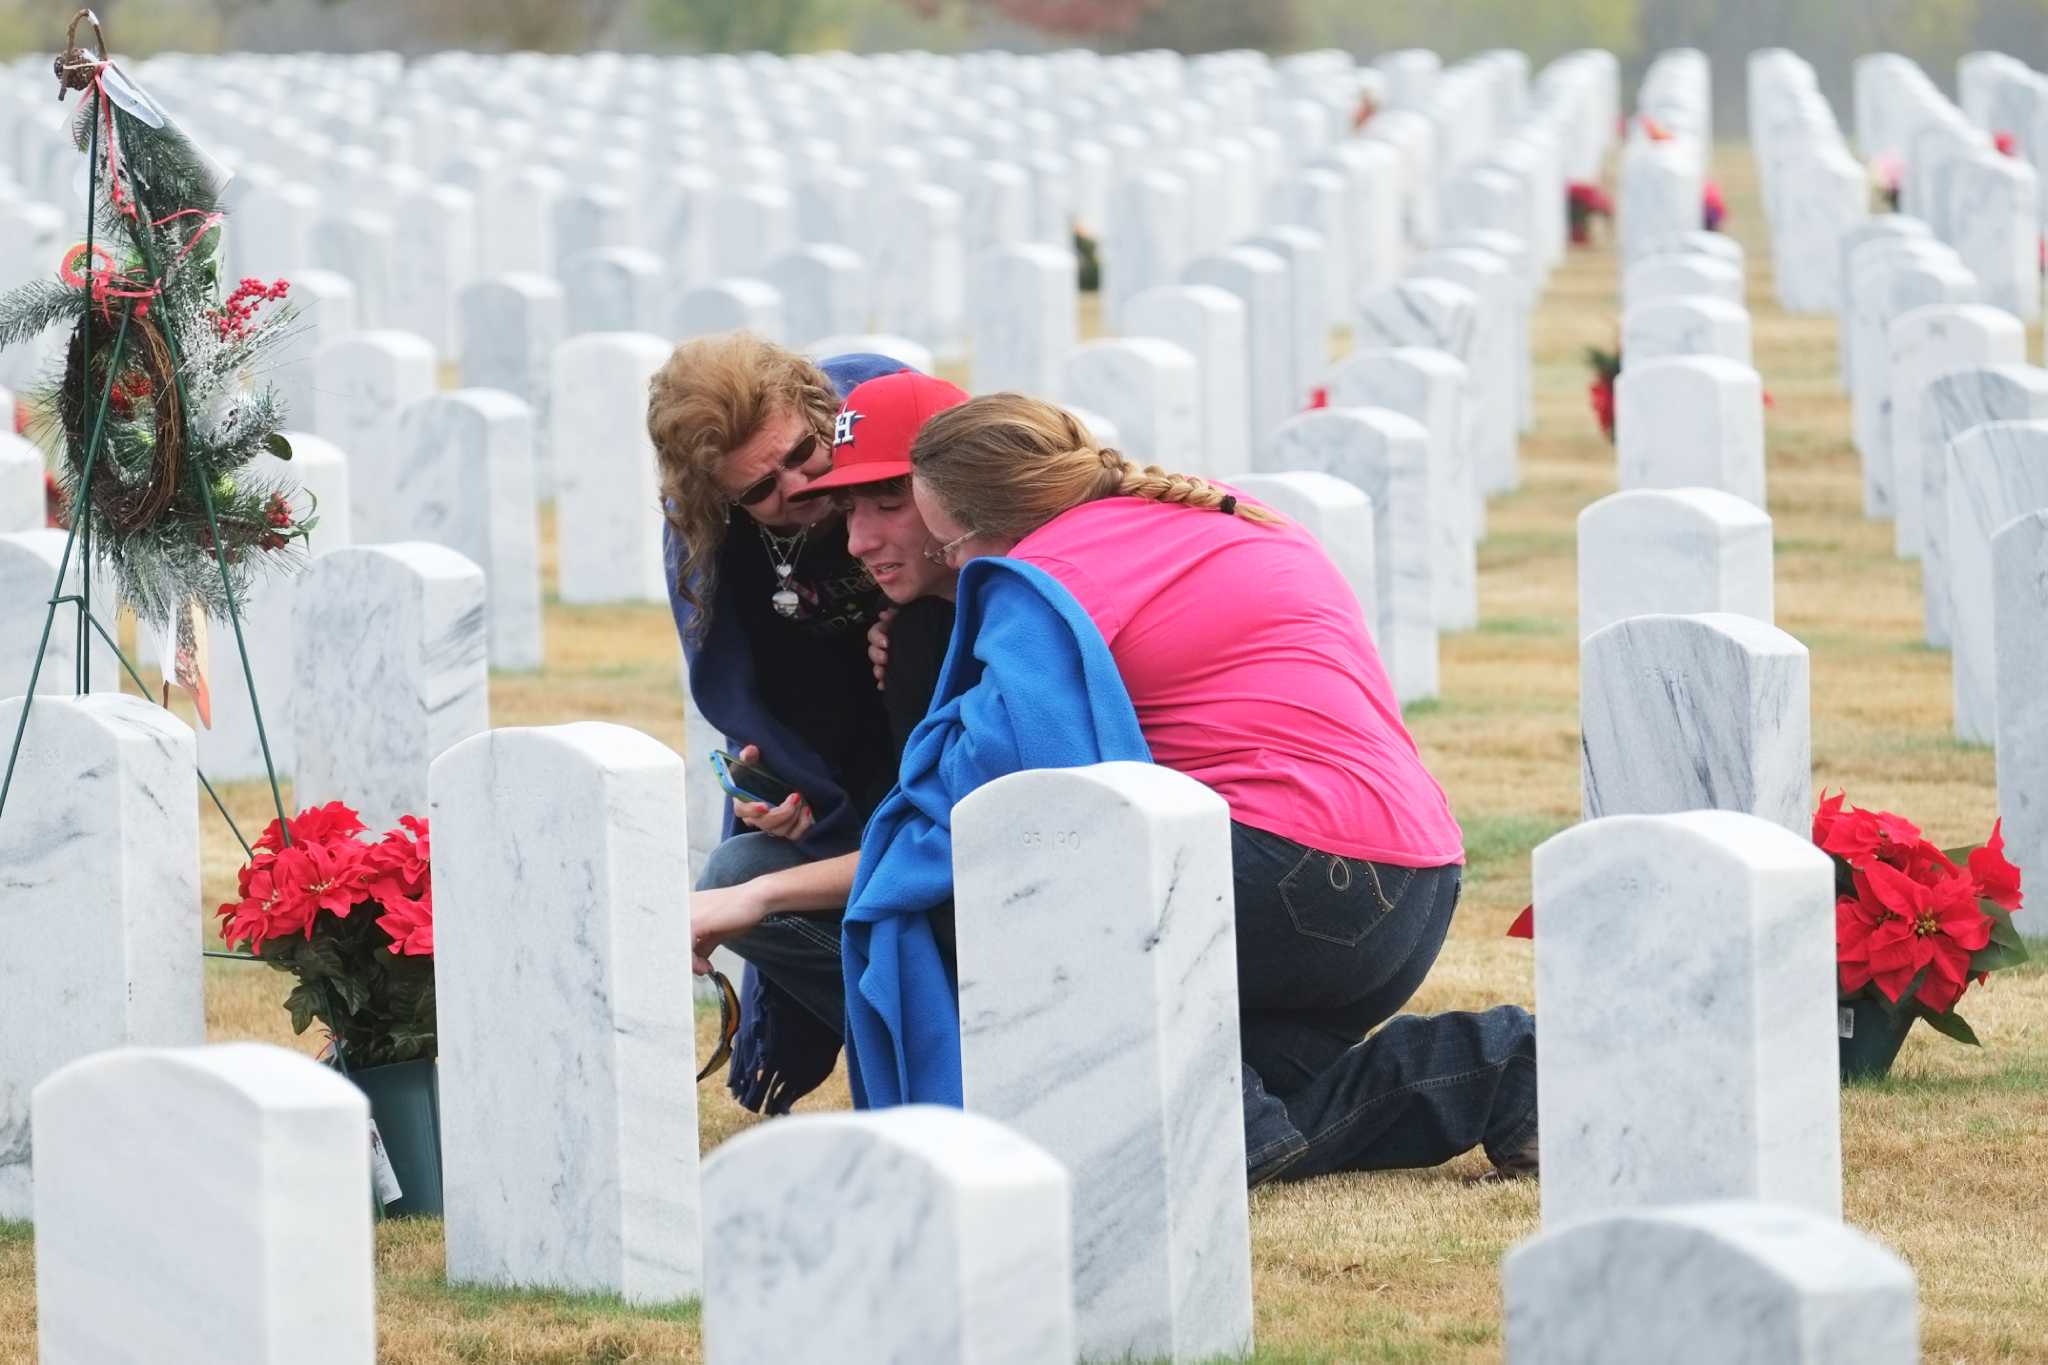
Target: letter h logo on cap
<point>842,429</point>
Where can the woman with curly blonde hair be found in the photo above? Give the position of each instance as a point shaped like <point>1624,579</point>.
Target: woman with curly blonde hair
<point>1248,666</point>
<point>773,612</point>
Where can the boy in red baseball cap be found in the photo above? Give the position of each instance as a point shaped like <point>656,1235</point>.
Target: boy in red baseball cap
<point>786,922</point>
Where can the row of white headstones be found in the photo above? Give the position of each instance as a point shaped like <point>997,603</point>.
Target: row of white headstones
<point>1232,348</point>
<point>1949,420</point>
<point>1717,659</point>
<point>1092,1198</point>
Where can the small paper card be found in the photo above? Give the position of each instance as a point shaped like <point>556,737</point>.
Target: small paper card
<point>382,1176</point>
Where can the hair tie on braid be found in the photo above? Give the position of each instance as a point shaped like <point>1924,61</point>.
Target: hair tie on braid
<point>1228,507</point>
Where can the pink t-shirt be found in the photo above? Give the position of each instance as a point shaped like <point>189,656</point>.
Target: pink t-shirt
<point>1248,661</point>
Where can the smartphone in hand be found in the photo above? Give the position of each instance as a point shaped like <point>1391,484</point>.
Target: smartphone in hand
<point>749,781</point>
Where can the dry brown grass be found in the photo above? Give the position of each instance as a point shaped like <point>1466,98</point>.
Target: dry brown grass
<point>1946,1162</point>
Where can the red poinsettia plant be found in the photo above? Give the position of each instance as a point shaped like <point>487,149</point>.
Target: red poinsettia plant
<point>353,920</point>
<point>1585,202</point>
<point>1915,925</point>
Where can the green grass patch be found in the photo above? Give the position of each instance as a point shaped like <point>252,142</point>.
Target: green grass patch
<point>480,1301</point>
<point>13,1233</point>
<point>1494,839</point>
<point>2021,1075</point>
<point>1523,625</point>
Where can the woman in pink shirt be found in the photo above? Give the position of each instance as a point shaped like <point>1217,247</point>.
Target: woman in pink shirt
<point>1248,662</point>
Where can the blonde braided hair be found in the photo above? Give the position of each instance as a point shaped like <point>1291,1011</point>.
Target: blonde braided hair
<point>1005,464</point>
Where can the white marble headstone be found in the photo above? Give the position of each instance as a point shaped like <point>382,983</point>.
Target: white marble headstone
<point>1995,213</point>
<point>607,500</point>
<point>101,849</point>
<point>1146,240</point>
<point>919,266</point>
<point>1709,711</point>
<point>28,579</point>
<point>1893,226</point>
<point>510,325</point>
<point>613,289</point>
<point>433,258</point>
<point>1150,388</point>
<point>364,380</point>
<point>316,482</point>
<point>730,305</point>
<point>466,482</point>
<point>1259,279</point>
<point>1672,550</point>
<point>918,1233</point>
<point>1680,1064</point>
<point>1209,324</point>
<point>1306,256</point>
<point>1693,421</point>
<point>1702,1284</point>
<point>161,1168</point>
<point>1890,289</point>
<point>1686,324</point>
<point>389,669</point>
<point>1430,387</point>
<point>323,311</point>
<point>1950,406</point>
<point>1996,473</point>
<point>359,245</point>
<point>1023,317</point>
<point>1105,893</point>
<point>1926,343</point>
<point>1494,364</point>
<point>2019,590</point>
<point>1387,456</point>
<point>1664,277</point>
<point>825,291</point>
<point>560,862</point>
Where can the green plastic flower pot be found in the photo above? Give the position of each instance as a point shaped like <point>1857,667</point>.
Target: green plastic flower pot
<point>1871,1036</point>
<point>405,1103</point>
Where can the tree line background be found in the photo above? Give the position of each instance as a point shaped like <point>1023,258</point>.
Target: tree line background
<point>1829,33</point>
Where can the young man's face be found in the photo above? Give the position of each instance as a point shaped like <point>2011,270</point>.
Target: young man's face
<point>886,534</point>
<point>765,462</point>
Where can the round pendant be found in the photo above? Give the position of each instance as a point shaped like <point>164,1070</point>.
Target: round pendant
<point>785,602</point>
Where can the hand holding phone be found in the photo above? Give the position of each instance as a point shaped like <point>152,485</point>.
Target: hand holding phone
<point>744,779</point>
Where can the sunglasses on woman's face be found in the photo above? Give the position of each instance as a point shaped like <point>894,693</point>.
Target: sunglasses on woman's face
<point>728,1024</point>
<point>799,455</point>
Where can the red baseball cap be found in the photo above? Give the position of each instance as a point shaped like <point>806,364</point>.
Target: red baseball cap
<point>871,440</point>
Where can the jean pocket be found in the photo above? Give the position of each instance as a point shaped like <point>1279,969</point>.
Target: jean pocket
<point>1341,900</point>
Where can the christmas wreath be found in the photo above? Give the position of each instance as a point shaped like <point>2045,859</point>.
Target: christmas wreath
<point>155,412</point>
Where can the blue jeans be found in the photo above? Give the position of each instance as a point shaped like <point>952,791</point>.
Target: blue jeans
<point>1327,950</point>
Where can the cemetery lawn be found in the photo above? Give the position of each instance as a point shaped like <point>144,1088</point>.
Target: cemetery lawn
<point>1945,1162</point>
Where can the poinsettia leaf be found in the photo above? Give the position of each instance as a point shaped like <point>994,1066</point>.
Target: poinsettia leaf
<point>277,445</point>
<point>303,1004</point>
<point>1996,957</point>
<point>355,996</point>
<point>1951,1025</point>
<point>2003,932</point>
<point>1960,855</point>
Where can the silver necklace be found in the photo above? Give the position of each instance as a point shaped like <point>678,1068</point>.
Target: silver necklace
<point>783,550</point>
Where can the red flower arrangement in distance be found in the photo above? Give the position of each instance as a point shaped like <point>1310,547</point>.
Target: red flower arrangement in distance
<point>353,920</point>
<point>1915,925</point>
<point>1585,201</point>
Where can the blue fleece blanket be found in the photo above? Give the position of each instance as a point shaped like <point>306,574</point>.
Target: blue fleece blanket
<point>1027,683</point>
